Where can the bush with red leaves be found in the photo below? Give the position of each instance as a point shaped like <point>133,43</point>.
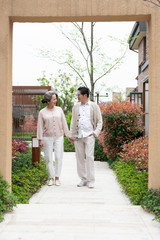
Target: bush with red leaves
<point>122,122</point>
<point>137,152</point>
<point>18,146</point>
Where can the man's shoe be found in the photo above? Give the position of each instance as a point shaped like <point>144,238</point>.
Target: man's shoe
<point>57,182</point>
<point>50,182</point>
<point>82,183</point>
<point>90,185</point>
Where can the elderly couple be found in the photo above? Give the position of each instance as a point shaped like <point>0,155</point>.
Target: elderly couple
<point>86,124</point>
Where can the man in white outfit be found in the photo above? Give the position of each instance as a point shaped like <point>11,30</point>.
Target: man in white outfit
<point>86,124</point>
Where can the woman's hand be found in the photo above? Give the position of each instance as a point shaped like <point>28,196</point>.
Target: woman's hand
<point>41,143</point>
<point>93,134</point>
<point>71,140</point>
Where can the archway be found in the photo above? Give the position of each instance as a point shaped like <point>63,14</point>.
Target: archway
<point>90,10</point>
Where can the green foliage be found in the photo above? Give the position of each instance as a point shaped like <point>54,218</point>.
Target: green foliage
<point>25,134</point>
<point>21,162</point>
<point>122,122</point>
<point>134,183</point>
<point>68,146</point>
<point>68,119</point>
<point>99,155</point>
<point>7,200</point>
<point>65,88</point>
<point>87,48</point>
<point>132,172</point>
<point>151,202</point>
<point>26,179</point>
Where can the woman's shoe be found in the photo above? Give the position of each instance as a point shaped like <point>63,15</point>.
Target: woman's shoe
<point>57,182</point>
<point>50,182</point>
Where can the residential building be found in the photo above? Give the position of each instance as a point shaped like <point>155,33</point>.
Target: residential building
<point>25,108</point>
<point>138,42</point>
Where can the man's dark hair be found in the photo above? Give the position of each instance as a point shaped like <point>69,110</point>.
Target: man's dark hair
<point>84,90</point>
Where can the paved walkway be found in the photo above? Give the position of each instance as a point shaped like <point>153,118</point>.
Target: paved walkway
<point>71,213</point>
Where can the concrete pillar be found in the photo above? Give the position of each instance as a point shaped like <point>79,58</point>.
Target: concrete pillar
<point>5,97</point>
<point>154,101</point>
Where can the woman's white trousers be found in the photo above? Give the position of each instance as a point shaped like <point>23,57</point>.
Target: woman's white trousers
<point>56,143</point>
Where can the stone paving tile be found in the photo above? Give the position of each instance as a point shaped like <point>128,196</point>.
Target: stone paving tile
<point>71,213</point>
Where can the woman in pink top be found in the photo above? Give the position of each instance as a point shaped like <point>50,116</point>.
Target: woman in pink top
<point>50,131</point>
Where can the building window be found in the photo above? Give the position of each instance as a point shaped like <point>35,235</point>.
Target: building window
<point>136,97</point>
<point>146,106</point>
<point>144,49</point>
<point>144,61</point>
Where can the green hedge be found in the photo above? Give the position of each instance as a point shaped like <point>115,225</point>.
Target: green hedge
<point>151,202</point>
<point>68,146</point>
<point>135,185</point>
<point>7,199</point>
<point>122,122</point>
<point>21,162</point>
<point>99,155</point>
<point>26,179</point>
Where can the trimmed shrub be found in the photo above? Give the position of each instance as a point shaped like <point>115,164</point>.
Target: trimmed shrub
<point>21,162</point>
<point>136,151</point>
<point>122,122</point>
<point>7,200</point>
<point>134,184</point>
<point>132,173</point>
<point>99,155</point>
<point>26,179</point>
<point>68,146</point>
<point>151,202</point>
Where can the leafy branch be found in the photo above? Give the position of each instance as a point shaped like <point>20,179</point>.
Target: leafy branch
<point>94,64</point>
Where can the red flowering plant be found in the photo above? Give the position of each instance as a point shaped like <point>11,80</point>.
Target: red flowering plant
<point>18,146</point>
<point>136,151</point>
<point>122,122</point>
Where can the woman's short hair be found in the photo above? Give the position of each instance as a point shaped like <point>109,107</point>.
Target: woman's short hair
<point>84,90</point>
<point>48,96</point>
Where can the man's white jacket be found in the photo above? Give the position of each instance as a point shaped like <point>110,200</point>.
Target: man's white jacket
<point>96,120</point>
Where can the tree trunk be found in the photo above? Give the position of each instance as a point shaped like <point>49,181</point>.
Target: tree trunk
<point>91,65</point>
<point>92,92</point>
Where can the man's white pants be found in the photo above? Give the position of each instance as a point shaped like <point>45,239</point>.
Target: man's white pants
<point>55,143</point>
<point>85,158</point>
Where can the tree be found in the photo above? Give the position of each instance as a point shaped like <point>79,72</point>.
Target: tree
<point>154,2</point>
<point>65,88</point>
<point>95,64</point>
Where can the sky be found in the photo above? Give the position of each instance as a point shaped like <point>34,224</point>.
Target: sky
<point>29,38</point>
